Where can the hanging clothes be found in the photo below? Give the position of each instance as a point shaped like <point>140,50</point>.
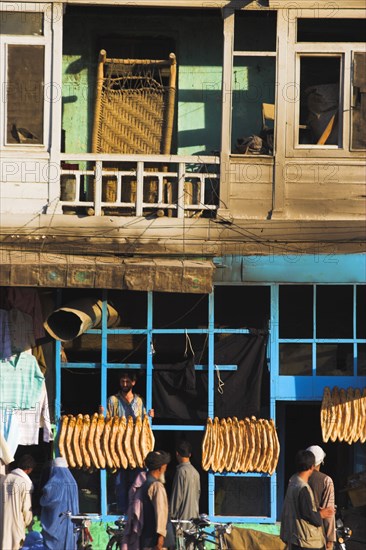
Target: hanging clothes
<point>20,382</point>
<point>32,420</point>
<point>21,331</point>
<point>27,300</point>
<point>5,340</point>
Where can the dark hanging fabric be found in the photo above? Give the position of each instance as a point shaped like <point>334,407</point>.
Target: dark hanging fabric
<point>241,395</point>
<point>180,393</point>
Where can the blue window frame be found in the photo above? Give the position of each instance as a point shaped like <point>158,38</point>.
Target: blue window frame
<point>310,339</point>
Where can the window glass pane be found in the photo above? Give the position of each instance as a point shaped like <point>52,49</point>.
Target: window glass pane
<point>126,348</point>
<point>21,23</point>
<point>242,307</point>
<point>131,306</point>
<point>235,496</point>
<point>295,359</point>
<point>319,100</point>
<point>330,30</point>
<point>89,490</point>
<point>253,85</point>
<point>358,101</point>
<point>84,349</point>
<point>25,95</point>
<point>296,311</point>
<point>180,310</point>
<point>334,360</point>
<point>247,37</point>
<point>361,360</point>
<point>74,382</point>
<point>334,311</point>
<point>361,311</point>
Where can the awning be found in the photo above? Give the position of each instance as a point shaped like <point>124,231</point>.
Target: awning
<point>39,269</point>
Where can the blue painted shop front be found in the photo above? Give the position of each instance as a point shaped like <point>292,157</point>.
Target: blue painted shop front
<point>313,308</point>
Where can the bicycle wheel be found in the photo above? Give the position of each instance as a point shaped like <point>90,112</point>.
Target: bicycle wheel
<point>114,543</point>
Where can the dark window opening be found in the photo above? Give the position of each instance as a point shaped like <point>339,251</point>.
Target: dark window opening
<point>330,30</point>
<point>359,101</point>
<point>242,307</point>
<point>296,311</point>
<point>361,311</point>
<point>25,95</point>
<point>334,311</point>
<point>319,100</point>
<point>334,360</point>
<point>242,496</point>
<point>295,360</point>
<point>247,37</point>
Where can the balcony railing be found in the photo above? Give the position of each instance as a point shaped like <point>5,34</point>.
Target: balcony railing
<point>137,185</point>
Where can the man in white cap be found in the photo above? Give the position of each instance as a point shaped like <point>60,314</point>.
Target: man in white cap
<point>323,489</point>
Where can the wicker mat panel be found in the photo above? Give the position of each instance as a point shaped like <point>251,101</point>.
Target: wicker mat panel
<point>131,121</point>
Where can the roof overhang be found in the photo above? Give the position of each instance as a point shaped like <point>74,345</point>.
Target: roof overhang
<point>37,269</point>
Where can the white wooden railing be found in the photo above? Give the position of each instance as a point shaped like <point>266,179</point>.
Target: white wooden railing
<point>138,184</point>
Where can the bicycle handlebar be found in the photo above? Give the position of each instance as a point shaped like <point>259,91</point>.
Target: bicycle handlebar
<point>79,516</point>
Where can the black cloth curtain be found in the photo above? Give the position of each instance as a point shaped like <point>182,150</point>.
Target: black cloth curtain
<point>180,392</point>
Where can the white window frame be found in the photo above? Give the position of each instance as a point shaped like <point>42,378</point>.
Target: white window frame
<point>344,50</point>
<point>44,40</point>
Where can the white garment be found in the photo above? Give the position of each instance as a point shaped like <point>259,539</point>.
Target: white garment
<point>16,509</point>
<point>5,455</point>
<point>31,420</point>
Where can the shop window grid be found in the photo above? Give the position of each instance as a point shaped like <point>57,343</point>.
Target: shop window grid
<point>281,387</point>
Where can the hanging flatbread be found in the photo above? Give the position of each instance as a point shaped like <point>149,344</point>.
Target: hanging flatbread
<point>147,439</point>
<point>336,415</point>
<point>76,441</point>
<point>98,440</point>
<point>119,442</point>
<point>250,425</point>
<point>225,427</point>
<point>207,445</point>
<point>264,445</point>
<point>269,451</point>
<point>257,443</point>
<point>112,442</point>
<point>135,442</point>
<point>70,432</point>
<point>325,414</point>
<point>84,443</point>
<point>358,417</point>
<point>90,441</point>
<point>62,437</point>
<point>238,445</point>
<point>350,418</point>
<point>363,414</point>
<point>219,445</point>
<point>245,441</point>
<point>127,443</point>
<point>276,448</point>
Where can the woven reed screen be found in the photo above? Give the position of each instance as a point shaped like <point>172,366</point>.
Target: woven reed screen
<point>134,108</point>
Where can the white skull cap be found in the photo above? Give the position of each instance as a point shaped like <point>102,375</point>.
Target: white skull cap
<point>318,453</point>
<point>59,462</point>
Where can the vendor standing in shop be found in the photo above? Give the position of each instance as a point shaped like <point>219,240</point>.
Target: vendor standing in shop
<point>125,403</point>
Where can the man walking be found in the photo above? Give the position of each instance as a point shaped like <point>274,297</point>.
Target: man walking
<point>184,502</point>
<point>156,531</point>
<point>301,522</point>
<point>16,504</point>
<point>323,489</point>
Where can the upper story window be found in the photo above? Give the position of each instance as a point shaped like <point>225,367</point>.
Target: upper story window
<point>24,44</point>
<point>328,70</point>
<point>253,82</point>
